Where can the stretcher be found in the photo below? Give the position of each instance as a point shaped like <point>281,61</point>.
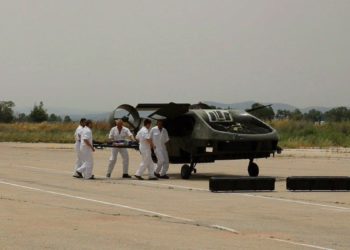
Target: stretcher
<point>116,144</point>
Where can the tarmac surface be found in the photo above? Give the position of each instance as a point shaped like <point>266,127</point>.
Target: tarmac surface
<point>43,207</point>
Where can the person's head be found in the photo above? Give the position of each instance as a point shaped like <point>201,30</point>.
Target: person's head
<point>119,123</point>
<point>147,123</point>
<point>160,123</point>
<point>88,123</point>
<point>82,122</point>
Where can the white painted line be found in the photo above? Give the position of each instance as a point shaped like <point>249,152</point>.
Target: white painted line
<point>256,196</point>
<point>151,212</point>
<point>300,244</point>
<point>98,201</point>
<point>274,239</point>
<point>225,228</point>
<point>344,209</point>
<point>145,182</point>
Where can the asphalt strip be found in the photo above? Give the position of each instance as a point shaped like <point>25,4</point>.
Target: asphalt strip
<point>151,183</point>
<point>181,219</point>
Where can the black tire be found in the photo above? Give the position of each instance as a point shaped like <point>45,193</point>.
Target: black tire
<point>185,172</point>
<point>253,169</point>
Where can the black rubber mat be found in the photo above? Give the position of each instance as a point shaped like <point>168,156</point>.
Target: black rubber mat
<point>318,183</point>
<point>217,184</point>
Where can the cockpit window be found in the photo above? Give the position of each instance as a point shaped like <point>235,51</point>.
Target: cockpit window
<point>227,116</point>
<point>240,123</point>
<point>219,116</point>
<point>212,116</point>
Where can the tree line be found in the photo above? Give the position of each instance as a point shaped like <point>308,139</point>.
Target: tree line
<point>264,112</point>
<point>37,114</point>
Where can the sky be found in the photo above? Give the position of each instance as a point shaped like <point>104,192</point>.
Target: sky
<point>94,55</point>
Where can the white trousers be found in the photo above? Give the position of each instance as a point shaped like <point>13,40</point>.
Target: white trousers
<point>146,163</point>
<point>113,159</point>
<point>163,161</point>
<point>79,160</point>
<point>88,162</point>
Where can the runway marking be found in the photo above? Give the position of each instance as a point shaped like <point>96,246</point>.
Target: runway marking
<point>98,201</point>
<point>225,228</point>
<point>300,244</point>
<point>344,209</point>
<point>298,202</point>
<point>152,213</point>
<point>253,195</point>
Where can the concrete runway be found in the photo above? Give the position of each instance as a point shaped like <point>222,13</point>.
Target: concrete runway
<point>43,207</point>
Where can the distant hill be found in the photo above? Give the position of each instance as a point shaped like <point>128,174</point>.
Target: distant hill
<point>95,117</point>
<point>319,108</point>
<point>74,114</point>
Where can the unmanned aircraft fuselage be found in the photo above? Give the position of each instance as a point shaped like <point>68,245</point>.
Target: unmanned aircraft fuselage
<point>206,135</point>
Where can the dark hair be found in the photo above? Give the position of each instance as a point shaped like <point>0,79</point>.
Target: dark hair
<point>88,122</point>
<point>82,120</point>
<point>147,121</point>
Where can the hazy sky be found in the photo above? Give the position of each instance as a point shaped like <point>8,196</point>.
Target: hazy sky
<point>95,55</point>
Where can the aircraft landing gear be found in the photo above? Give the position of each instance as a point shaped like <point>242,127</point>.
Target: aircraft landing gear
<point>253,169</point>
<point>186,170</point>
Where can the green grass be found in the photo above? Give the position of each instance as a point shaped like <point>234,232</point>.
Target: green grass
<point>48,132</point>
<point>299,134</point>
<point>293,134</point>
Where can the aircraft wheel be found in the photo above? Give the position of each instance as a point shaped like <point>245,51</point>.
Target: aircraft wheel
<point>185,171</point>
<point>253,169</point>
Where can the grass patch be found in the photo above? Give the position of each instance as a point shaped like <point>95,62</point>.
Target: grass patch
<point>298,134</point>
<point>48,132</point>
<point>293,134</point>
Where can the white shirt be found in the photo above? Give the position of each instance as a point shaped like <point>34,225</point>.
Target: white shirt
<point>115,135</point>
<point>86,135</point>
<point>142,136</point>
<point>159,138</point>
<point>77,134</point>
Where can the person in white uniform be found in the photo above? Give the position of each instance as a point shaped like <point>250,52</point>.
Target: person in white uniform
<point>86,148</point>
<point>77,136</point>
<point>143,137</point>
<point>118,133</point>
<point>159,137</point>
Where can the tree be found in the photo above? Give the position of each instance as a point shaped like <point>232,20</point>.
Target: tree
<point>67,119</point>
<point>283,114</point>
<point>313,115</point>
<point>22,117</point>
<point>54,118</point>
<point>296,115</point>
<point>6,111</point>
<point>38,114</point>
<point>262,111</point>
<point>338,114</point>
